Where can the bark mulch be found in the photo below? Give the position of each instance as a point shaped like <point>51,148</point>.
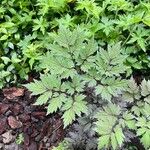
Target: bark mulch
<point>18,115</point>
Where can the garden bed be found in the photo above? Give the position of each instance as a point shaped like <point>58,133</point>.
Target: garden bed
<point>18,116</point>
<point>74,75</point>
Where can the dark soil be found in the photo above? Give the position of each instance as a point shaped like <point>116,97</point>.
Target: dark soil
<point>19,115</point>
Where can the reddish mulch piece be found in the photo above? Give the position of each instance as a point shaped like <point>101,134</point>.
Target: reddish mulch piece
<point>40,132</point>
<point>14,123</point>
<point>3,108</point>
<point>3,125</point>
<point>11,93</point>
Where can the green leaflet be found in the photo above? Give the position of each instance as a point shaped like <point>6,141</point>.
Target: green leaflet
<point>103,141</point>
<point>62,146</point>
<point>145,88</point>
<point>40,24</point>
<point>144,131</point>
<point>79,105</point>
<point>146,138</point>
<point>47,5</point>
<point>110,65</point>
<point>36,87</point>
<point>43,99</point>
<point>138,36</point>
<point>56,103</point>
<point>146,19</point>
<point>139,120</point>
<point>119,135</point>
<point>129,120</point>
<point>132,91</point>
<point>110,87</point>
<point>113,140</point>
<point>109,127</point>
<point>68,117</point>
<point>47,83</point>
<point>90,7</point>
<point>107,26</point>
<point>110,62</point>
<point>76,107</point>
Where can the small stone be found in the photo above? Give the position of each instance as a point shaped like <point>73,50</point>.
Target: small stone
<point>29,131</point>
<point>28,110</point>
<point>1,139</point>
<point>26,126</point>
<point>45,128</point>
<point>48,145</point>
<point>38,138</point>
<point>3,108</point>
<point>3,125</point>
<point>41,145</point>
<point>8,113</point>
<point>1,146</point>
<point>7,137</point>
<point>45,139</point>
<point>14,123</point>
<point>12,146</point>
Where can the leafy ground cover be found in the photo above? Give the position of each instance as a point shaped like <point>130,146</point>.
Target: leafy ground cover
<point>86,65</point>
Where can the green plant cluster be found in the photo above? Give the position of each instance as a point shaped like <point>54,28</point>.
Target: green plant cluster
<point>75,64</point>
<point>19,139</point>
<point>77,46</point>
<point>116,123</point>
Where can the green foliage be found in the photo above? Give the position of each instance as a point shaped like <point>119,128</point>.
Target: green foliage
<point>77,45</point>
<point>47,5</point>
<point>82,134</point>
<point>109,126</point>
<point>140,96</point>
<point>40,24</point>
<point>73,56</point>
<point>75,63</point>
<point>90,7</point>
<point>62,146</point>
<point>113,120</point>
<point>19,139</point>
<point>58,96</point>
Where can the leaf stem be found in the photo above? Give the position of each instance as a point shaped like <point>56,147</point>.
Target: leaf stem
<point>131,31</point>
